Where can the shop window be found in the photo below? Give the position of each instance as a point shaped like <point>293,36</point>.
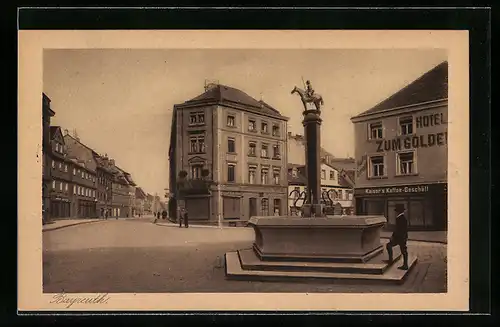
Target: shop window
<point>375,207</point>
<point>416,214</point>
<point>391,213</point>
<point>376,131</point>
<point>377,167</point>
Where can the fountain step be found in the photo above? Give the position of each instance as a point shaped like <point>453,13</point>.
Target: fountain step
<point>377,265</point>
<point>234,270</point>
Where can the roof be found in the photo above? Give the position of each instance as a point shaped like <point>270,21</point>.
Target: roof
<point>431,86</point>
<point>81,152</point>
<point>300,178</point>
<point>223,94</point>
<point>139,193</point>
<point>54,130</point>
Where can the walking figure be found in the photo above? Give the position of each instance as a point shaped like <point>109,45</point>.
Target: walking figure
<point>400,236</point>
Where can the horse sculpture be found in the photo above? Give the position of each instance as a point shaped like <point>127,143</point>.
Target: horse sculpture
<point>316,99</point>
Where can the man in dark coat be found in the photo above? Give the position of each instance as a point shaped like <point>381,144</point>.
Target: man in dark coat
<point>400,236</point>
<point>185,218</point>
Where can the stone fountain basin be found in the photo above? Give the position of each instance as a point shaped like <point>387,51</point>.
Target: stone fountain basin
<point>330,238</point>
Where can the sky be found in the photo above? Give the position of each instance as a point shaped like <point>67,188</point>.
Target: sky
<point>120,101</point>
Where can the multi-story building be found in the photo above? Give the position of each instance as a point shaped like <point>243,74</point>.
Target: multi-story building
<point>140,199</point>
<point>123,192</point>
<point>47,113</point>
<point>402,154</point>
<point>238,145</point>
<point>148,204</point>
<point>336,188</point>
<point>104,192</point>
<point>83,175</point>
<point>61,181</point>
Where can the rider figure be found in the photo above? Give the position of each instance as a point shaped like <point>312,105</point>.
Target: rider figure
<point>309,90</point>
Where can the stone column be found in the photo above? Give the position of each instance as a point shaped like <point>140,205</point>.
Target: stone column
<point>312,131</point>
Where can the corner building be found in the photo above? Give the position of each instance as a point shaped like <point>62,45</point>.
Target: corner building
<point>402,154</point>
<point>240,143</point>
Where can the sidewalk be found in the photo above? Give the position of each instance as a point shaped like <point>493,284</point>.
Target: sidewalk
<point>61,223</point>
<point>424,236</point>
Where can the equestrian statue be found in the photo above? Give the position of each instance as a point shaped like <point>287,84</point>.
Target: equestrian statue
<point>309,96</point>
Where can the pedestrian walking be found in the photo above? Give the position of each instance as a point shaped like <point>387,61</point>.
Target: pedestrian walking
<point>400,236</point>
<point>164,215</point>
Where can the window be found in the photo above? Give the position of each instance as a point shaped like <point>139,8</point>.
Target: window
<point>252,149</point>
<point>60,186</point>
<point>264,128</point>
<point>53,185</point>
<point>276,130</point>
<point>405,163</point>
<point>264,176</point>
<point>251,125</point>
<point>376,131</point>
<point>377,166</point>
<point>197,118</point>
<point>230,121</point>
<point>74,189</point>
<point>277,207</point>
<point>57,147</point>
<point>196,171</point>
<point>349,194</point>
<point>93,193</point>
<point>74,171</point>
<point>66,187</point>
<point>323,174</point>
<point>60,166</point>
<point>53,164</point>
<point>65,168</point>
<point>406,125</point>
<point>230,173</point>
<point>332,175</point>
<point>83,174</point>
<point>231,147</point>
<point>197,144</point>
<point>276,151</point>
<point>276,176</point>
<point>265,207</point>
<point>252,175</point>
<point>264,151</point>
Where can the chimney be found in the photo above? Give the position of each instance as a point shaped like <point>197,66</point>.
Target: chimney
<point>112,162</point>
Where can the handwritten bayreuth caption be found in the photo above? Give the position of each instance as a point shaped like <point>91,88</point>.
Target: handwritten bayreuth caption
<point>70,300</point>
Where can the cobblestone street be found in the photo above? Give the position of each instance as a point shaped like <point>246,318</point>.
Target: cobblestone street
<point>136,256</point>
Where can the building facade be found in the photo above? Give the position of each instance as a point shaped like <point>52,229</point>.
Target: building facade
<point>47,113</point>
<point>336,191</point>
<point>61,181</point>
<point>139,202</point>
<point>84,178</point>
<point>402,154</point>
<point>104,185</point>
<point>232,149</point>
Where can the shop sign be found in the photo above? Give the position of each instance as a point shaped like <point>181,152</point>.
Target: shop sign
<point>400,189</point>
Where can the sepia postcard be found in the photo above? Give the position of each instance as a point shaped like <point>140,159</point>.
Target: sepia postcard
<point>243,170</point>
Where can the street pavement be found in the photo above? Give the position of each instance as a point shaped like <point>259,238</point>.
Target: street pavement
<point>137,256</point>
